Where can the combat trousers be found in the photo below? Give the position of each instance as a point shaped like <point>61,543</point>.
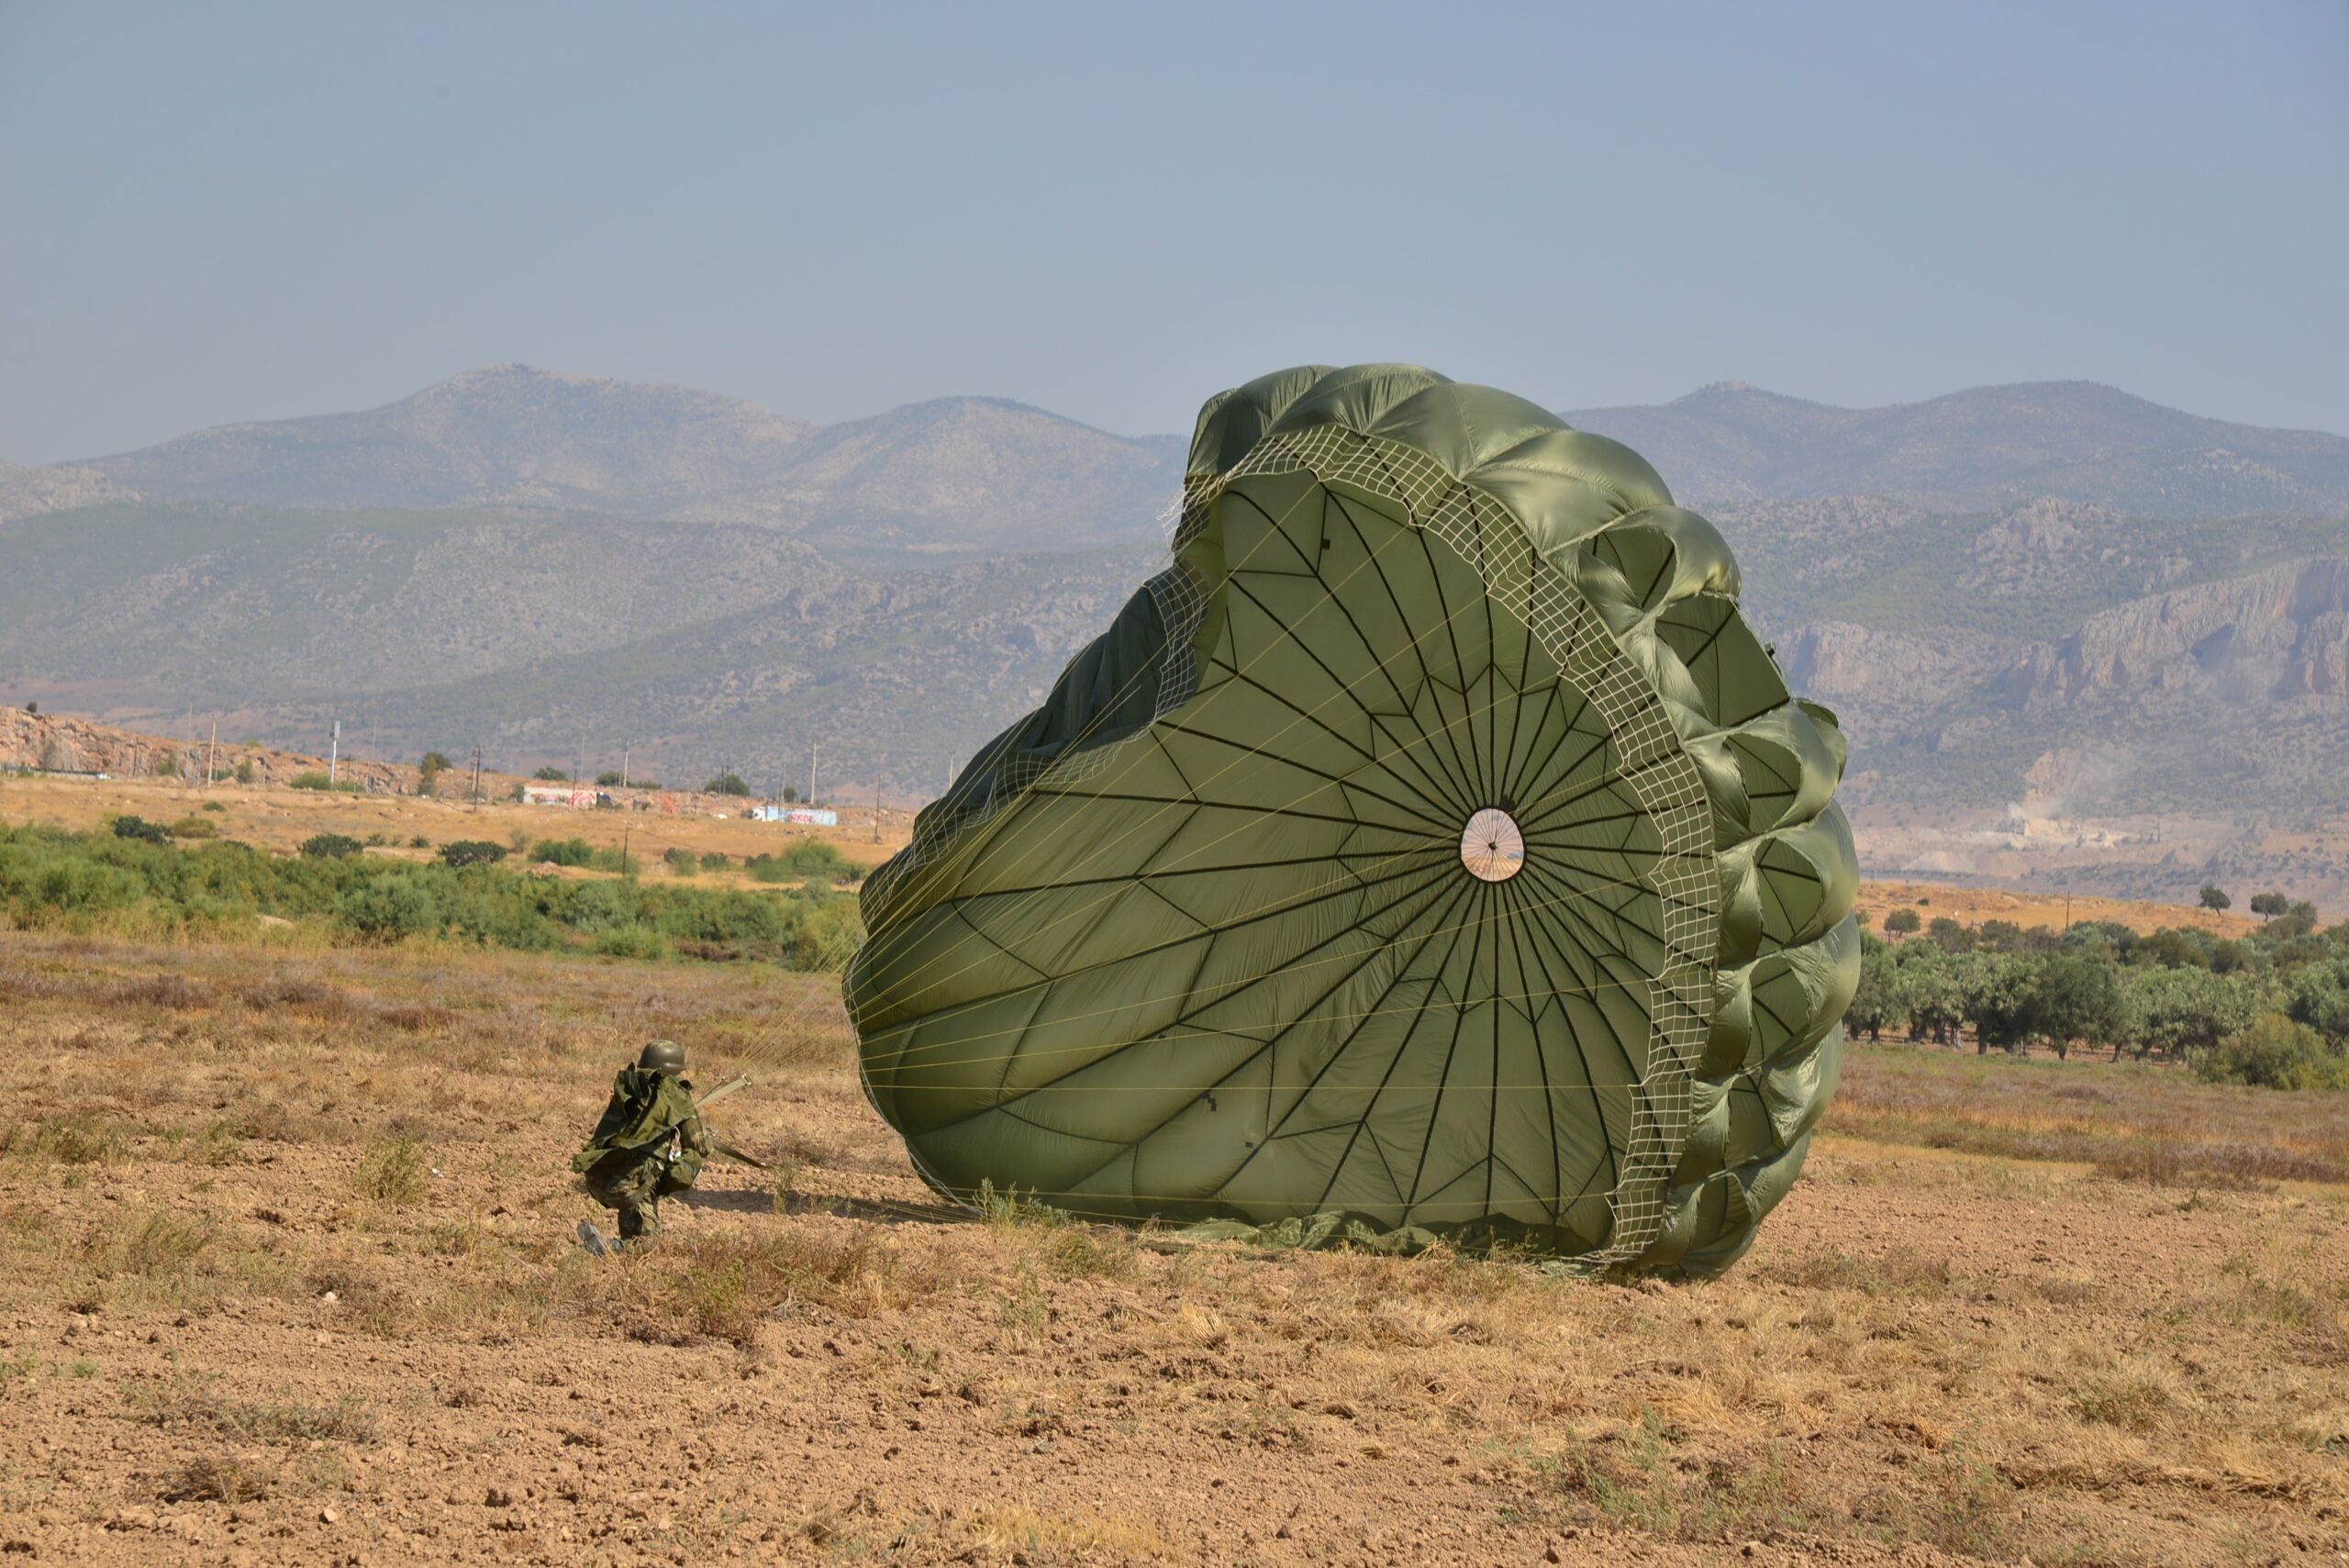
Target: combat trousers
<point>634,1185</point>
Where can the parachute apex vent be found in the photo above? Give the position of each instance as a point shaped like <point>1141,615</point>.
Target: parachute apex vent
<point>1492,847</point>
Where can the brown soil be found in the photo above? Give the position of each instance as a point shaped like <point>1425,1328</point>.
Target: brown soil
<point>287,1274</point>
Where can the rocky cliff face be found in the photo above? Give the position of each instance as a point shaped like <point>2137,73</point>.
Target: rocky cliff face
<point>2277,635</point>
<point>1889,675</point>
<point>46,743</point>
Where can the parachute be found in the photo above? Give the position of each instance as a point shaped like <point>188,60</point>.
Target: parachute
<point>1432,851</point>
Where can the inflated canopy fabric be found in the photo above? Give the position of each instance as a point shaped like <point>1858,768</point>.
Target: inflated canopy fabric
<point>1430,850</point>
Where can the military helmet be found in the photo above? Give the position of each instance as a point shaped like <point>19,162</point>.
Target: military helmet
<point>663,1056</point>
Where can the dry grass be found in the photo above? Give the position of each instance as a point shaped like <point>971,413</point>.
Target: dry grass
<point>2133,1121</point>
<point>1990,1357</point>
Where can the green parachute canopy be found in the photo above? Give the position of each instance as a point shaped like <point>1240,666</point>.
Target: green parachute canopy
<point>1430,850</point>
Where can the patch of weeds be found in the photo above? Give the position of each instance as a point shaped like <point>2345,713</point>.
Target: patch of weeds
<point>23,1364</point>
<point>716,1299</point>
<point>1025,1316</point>
<point>1898,1272</point>
<point>1084,1254</point>
<point>217,1478</point>
<point>219,1145</point>
<point>1964,1507</point>
<point>393,1171</point>
<point>81,1139</point>
<point>1643,1482</point>
<point>163,1244</point>
<point>452,1238</point>
<point>79,1367</point>
<point>185,1402</point>
<point>2138,1403</point>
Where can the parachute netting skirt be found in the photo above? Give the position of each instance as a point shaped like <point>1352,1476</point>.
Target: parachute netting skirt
<point>1432,851</point>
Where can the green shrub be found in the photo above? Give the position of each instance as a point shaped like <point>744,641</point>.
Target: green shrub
<point>808,858</point>
<point>195,827</point>
<point>386,908</point>
<point>1903,921</point>
<point>564,851</point>
<point>726,783</point>
<point>609,778</point>
<point>246,772</point>
<point>167,766</point>
<point>683,863</point>
<point>140,827</point>
<point>471,852</point>
<point>553,775</point>
<point>214,805</point>
<point>2274,1053</point>
<point>330,847</point>
<point>321,782</point>
<point>713,860</point>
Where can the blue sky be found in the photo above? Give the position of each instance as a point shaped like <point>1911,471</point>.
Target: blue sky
<point>229,212</point>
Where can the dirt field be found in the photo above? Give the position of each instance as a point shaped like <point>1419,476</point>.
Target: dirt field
<point>290,1275</point>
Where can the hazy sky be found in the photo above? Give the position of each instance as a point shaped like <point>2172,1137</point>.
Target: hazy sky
<point>225,212</point>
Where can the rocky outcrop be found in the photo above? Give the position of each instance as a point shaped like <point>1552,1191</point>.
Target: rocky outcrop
<point>47,743</point>
<point>2276,635</point>
<point>30,491</point>
<point>1888,674</point>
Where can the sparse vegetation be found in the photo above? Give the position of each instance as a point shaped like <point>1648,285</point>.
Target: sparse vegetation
<point>53,879</point>
<point>1876,1378</point>
<point>726,783</point>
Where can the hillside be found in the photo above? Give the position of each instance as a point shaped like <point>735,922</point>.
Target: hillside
<point>957,476</point>
<point>711,645</point>
<point>2073,440</point>
<point>1996,589</point>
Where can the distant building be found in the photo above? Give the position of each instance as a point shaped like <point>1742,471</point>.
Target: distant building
<point>805,816</point>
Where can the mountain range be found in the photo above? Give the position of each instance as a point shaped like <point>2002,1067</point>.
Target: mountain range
<point>951,479</point>
<point>2002,585</point>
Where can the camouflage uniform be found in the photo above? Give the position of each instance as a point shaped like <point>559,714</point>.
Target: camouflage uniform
<point>649,1143</point>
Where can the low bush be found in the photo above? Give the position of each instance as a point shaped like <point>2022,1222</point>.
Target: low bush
<point>140,827</point>
<point>2274,1053</point>
<point>471,852</point>
<point>564,851</point>
<point>315,780</point>
<point>330,847</point>
<point>726,783</point>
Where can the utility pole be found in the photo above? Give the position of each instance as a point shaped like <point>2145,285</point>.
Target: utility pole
<point>212,753</point>
<point>624,746</point>
<point>475,791</point>
<point>334,752</point>
<point>811,776</point>
<point>877,817</point>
